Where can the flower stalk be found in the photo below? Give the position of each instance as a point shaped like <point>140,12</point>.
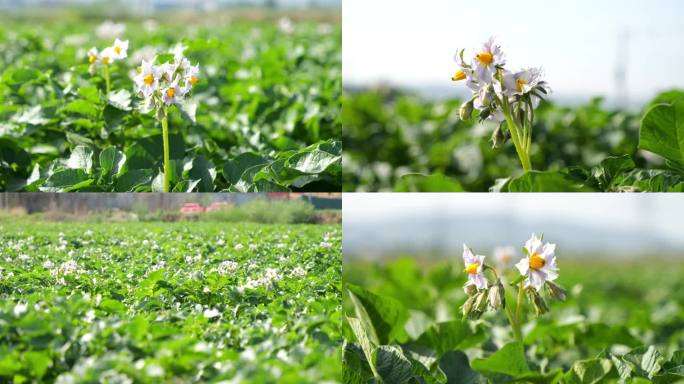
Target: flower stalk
<point>108,86</point>
<point>167,161</point>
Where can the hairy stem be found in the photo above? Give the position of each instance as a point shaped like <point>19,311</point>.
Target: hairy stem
<point>167,161</point>
<point>106,76</point>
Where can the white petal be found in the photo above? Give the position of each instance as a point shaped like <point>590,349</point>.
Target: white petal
<point>523,266</point>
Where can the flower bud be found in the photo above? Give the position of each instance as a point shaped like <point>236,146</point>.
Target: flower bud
<point>498,137</point>
<point>470,290</point>
<point>481,301</point>
<point>468,305</point>
<point>555,291</point>
<point>538,302</point>
<point>497,296</point>
<point>466,110</point>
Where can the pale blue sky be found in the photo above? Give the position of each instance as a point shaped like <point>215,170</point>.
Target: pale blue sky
<point>411,43</point>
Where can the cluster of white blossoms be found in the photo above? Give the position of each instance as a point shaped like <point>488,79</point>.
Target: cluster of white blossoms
<point>165,84</point>
<point>69,267</point>
<point>118,51</point>
<point>492,84</point>
<point>226,267</point>
<point>538,270</point>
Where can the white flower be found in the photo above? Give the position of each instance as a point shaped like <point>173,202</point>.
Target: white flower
<point>107,55</point>
<point>239,247</point>
<point>211,313</point>
<point>191,75</point>
<point>171,93</point>
<point>120,49</point>
<point>466,73</point>
<point>521,82</point>
<point>48,264</point>
<point>299,271</point>
<point>147,80</point>
<point>93,55</point>
<point>486,60</point>
<point>20,309</point>
<point>109,29</point>
<point>539,265</point>
<point>226,267</point>
<point>474,266</point>
<point>504,256</point>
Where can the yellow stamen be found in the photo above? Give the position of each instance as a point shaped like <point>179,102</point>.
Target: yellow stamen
<point>149,79</point>
<point>139,69</point>
<point>536,262</point>
<point>460,75</point>
<point>193,80</point>
<point>92,59</point>
<point>105,59</point>
<point>472,268</point>
<point>117,50</point>
<point>171,92</point>
<point>485,58</point>
<point>519,84</point>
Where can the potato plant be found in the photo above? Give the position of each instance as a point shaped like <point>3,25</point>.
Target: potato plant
<point>169,302</point>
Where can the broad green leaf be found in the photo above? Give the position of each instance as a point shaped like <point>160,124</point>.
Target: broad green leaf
<point>131,180</point>
<point>83,107</point>
<point>606,172</point>
<point>81,158</point>
<point>120,99</point>
<point>66,180</point>
<point>148,152</point>
<point>427,183</point>
<point>112,160</point>
<point>446,336</point>
<point>365,340</point>
<point>509,360</point>
<point>535,181</point>
<point>662,131</point>
<point>234,169</point>
<point>457,368</point>
<point>20,76</point>
<point>387,315</point>
<point>588,371</point>
<point>38,362</point>
<point>391,364</point>
<point>200,168</point>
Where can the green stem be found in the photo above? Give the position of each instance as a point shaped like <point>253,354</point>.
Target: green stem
<point>519,304</point>
<point>167,162</point>
<point>516,136</point>
<point>106,75</point>
<point>514,325</point>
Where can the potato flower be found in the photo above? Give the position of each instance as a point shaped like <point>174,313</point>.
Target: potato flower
<point>539,266</point>
<point>162,86</point>
<point>474,266</point>
<point>107,56</point>
<point>501,95</point>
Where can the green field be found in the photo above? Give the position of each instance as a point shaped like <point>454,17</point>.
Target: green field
<point>621,320</point>
<point>162,302</point>
<point>400,141</point>
<point>266,118</point>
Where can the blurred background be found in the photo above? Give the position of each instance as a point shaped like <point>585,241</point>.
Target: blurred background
<point>621,50</point>
<point>275,207</point>
<point>433,227</point>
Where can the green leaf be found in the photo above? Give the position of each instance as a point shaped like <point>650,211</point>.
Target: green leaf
<point>662,131</point>
<point>131,180</point>
<point>509,360</point>
<point>148,152</point>
<point>457,368</point>
<point>112,160</point>
<point>82,107</point>
<point>20,76</point>
<point>611,167</point>
<point>387,315</point>
<point>38,362</point>
<point>66,180</point>
<point>391,364</point>
<point>81,158</point>
<point>427,183</point>
<point>536,181</point>
<point>446,336</point>
<point>588,371</point>
<point>202,169</point>
<point>120,99</point>
<point>314,161</point>
<point>644,361</point>
<point>234,169</point>
<point>365,340</point>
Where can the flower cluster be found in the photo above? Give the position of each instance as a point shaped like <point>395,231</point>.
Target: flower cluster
<point>166,84</point>
<point>501,95</point>
<point>537,269</point>
<point>109,55</point>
